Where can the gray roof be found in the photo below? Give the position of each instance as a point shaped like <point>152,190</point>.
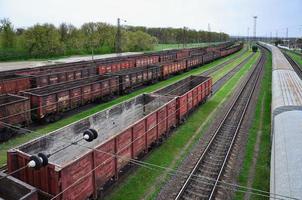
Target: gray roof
<point>286,155</point>
<point>286,159</point>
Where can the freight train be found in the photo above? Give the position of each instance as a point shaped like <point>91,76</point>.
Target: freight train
<point>53,90</point>
<point>80,159</point>
<point>286,152</point>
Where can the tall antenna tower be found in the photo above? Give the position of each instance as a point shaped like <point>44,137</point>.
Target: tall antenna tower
<point>255,26</point>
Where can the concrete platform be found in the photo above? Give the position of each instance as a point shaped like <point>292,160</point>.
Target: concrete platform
<point>4,66</point>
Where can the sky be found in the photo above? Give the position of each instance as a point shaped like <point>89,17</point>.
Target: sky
<point>230,16</point>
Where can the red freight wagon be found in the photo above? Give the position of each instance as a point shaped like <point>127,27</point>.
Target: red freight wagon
<point>115,66</point>
<point>48,102</point>
<point>129,79</point>
<point>127,130</point>
<point>208,57</point>
<point>197,51</point>
<point>184,53</point>
<point>50,77</point>
<point>190,93</point>
<point>13,84</point>
<point>14,110</point>
<point>167,56</point>
<point>141,61</point>
<point>12,188</point>
<point>170,68</point>
<point>194,61</point>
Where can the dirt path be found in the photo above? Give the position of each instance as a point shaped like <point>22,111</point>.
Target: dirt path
<point>252,170</point>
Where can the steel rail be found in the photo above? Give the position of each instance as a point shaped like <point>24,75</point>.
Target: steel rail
<point>185,185</point>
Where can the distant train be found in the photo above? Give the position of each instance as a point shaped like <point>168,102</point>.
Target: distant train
<point>49,91</point>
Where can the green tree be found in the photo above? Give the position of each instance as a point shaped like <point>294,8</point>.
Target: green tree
<point>138,41</point>
<point>43,40</point>
<point>7,34</point>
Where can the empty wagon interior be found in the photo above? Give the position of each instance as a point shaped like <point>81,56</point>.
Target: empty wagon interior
<point>181,87</point>
<point>107,123</point>
<point>7,98</point>
<point>66,85</point>
<point>11,188</point>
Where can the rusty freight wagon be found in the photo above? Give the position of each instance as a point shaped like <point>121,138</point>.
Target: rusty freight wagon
<point>145,60</point>
<point>13,84</point>
<point>12,189</point>
<point>208,57</point>
<point>127,130</point>
<point>166,56</point>
<point>183,53</point>
<point>190,92</point>
<point>115,65</point>
<point>49,78</point>
<point>49,102</point>
<point>129,79</point>
<point>229,50</point>
<point>14,110</point>
<point>194,61</point>
<point>175,67</point>
<point>53,76</point>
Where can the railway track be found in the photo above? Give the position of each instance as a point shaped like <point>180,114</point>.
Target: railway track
<point>36,126</point>
<point>205,177</point>
<point>221,65</point>
<point>219,83</point>
<point>294,64</point>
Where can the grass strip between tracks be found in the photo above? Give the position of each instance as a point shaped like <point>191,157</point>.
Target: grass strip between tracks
<point>54,126</point>
<point>261,124</point>
<point>295,57</point>
<point>145,183</point>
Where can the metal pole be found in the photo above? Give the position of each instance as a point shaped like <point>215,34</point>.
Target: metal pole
<point>92,55</point>
<point>118,36</point>
<point>255,26</point>
<point>287,37</point>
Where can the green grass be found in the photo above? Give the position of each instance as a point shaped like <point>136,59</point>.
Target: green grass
<point>51,127</point>
<point>143,183</point>
<point>160,47</point>
<point>262,173</point>
<point>295,57</point>
<point>220,73</point>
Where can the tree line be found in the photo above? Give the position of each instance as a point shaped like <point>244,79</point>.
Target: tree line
<point>47,40</point>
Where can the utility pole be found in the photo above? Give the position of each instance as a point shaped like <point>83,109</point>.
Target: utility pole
<point>248,34</point>
<point>118,44</point>
<point>118,39</point>
<point>255,26</point>
<point>209,32</point>
<point>287,37</point>
<point>184,37</point>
